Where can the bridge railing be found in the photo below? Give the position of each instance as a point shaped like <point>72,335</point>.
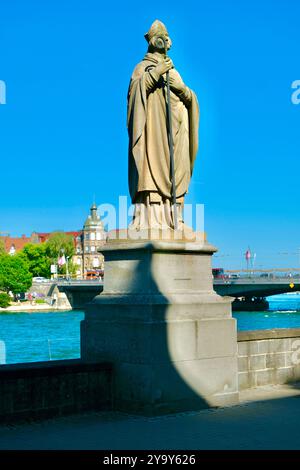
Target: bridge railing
<point>261,274</point>
<point>80,281</point>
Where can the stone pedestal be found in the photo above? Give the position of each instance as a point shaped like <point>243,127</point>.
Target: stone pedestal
<point>171,338</point>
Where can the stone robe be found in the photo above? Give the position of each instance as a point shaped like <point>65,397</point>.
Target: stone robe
<point>149,154</point>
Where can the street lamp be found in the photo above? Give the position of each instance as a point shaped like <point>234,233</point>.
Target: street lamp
<point>67,267</point>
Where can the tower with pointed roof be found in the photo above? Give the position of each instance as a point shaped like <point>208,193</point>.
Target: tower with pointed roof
<point>88,257</point>
<point>94,237</point>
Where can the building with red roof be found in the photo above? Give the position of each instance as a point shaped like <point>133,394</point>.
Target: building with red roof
<point>87,242</point>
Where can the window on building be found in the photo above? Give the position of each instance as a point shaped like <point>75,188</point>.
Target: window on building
<point>79,261</point>
<point>99,236</point>
<point>86,248</point>
<point>96,262</point>
<point>93,249</point>
<point>87,236</point>
<point>78,249</point>
<point>92,236</point>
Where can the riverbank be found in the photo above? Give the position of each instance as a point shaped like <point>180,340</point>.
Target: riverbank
<point>29,307</point>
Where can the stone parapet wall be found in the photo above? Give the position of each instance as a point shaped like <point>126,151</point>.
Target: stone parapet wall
<point>50,291</point>
<point>268,357</point>
<point>47,389</point>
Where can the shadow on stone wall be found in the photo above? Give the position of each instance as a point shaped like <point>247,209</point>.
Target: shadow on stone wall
<point>147,337</point>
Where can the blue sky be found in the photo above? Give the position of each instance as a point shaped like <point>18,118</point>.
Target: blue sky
<point>63,136</point>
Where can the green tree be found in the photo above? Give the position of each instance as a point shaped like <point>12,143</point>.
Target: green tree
<point>59,244</point>
<point>2,248</point>
<point>4,300</point>
<point>38,259</point>
<point>14,274</point>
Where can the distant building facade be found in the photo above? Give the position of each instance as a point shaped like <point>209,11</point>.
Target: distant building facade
<point>14,244</point>
<point>87,242</point>
<point>93,236</point>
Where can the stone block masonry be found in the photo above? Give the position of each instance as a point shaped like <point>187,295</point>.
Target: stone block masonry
<point>268,357</point>
<point>43,390</point>
<point>171,339</point>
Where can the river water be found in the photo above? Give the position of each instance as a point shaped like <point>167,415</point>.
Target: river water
<point>284,312</point>
<point>44,336</point>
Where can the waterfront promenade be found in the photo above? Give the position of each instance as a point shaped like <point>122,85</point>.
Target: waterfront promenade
<point>29,307</point>
<point>267,418</point>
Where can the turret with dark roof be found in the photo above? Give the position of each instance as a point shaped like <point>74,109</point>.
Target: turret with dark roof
<point>93,221</point>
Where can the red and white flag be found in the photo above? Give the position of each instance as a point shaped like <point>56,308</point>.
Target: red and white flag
<point>248,254</point>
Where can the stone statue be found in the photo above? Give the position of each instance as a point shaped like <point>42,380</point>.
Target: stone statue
<point>158,306</point>
<point>149,153</point>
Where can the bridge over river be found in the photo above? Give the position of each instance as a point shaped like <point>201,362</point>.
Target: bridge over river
<point>249,288</point>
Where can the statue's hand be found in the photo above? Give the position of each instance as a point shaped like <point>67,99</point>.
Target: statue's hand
<point>176,83</point>
<point>164,66</point>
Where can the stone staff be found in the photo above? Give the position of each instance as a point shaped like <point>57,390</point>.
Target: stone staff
<point>162,43</point>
